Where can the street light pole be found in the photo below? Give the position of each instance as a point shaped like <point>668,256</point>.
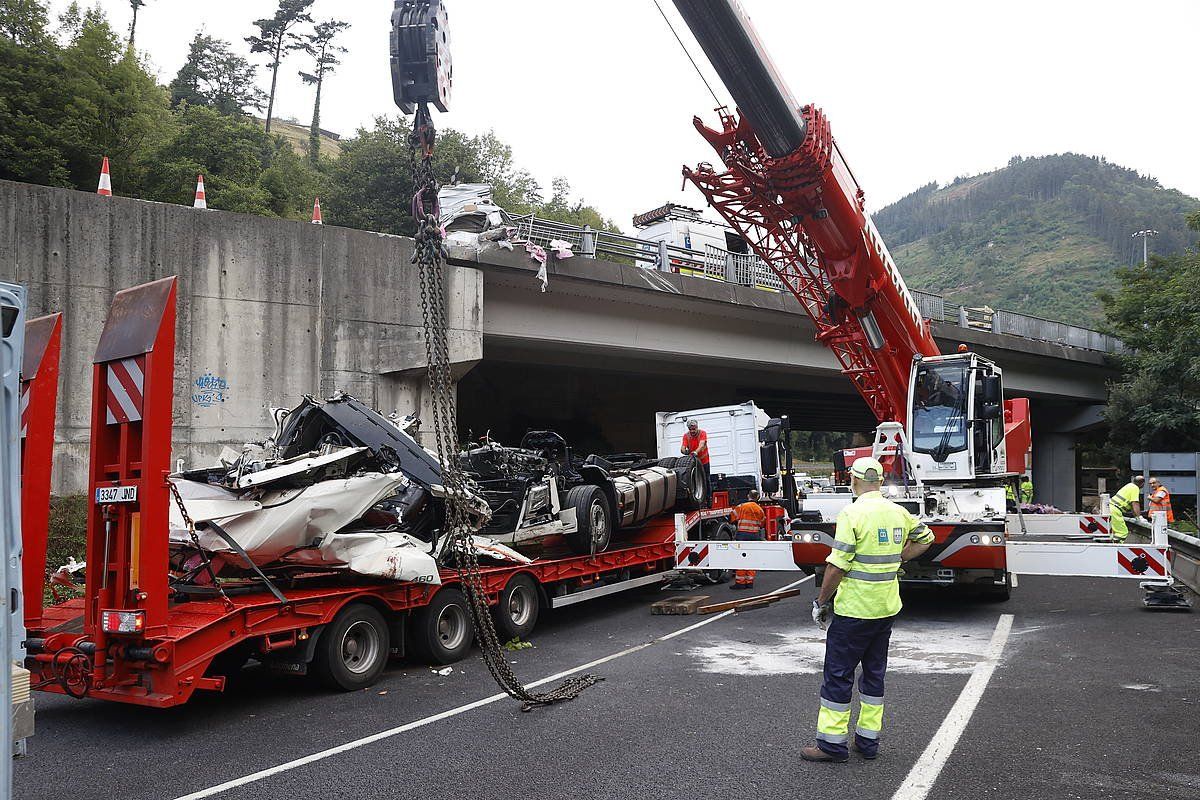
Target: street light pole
<point>1145,237</point>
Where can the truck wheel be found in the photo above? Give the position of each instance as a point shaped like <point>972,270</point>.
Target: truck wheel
<point>691,493</point>
<point>441,631</point>
<point>594,520</point>
<point>517,612</point>
<point>722,533</point>
<point>353,649</point>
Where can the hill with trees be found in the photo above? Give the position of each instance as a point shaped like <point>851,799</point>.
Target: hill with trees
<point>75,90</point>
<point>1041,236</point>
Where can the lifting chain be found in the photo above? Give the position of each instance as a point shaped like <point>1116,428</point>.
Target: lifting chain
<point>459,527</point>
<point>191,526</point>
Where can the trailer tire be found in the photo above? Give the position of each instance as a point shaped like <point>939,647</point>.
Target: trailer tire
<point>594,520</point>
<point>722,533</point>
<point>442,632</point>
<point>517,612</point>
<point>353,649</point>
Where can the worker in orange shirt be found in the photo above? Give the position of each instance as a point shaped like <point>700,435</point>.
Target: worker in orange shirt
<point>751,522</point>
<point>695,443</point>
<point>1160,500</point>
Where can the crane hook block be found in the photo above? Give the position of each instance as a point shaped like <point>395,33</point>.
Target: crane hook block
<point>420,50</point>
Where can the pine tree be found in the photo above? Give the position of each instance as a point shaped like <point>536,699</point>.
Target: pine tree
<point>319,44</point>
<point>277,37</point>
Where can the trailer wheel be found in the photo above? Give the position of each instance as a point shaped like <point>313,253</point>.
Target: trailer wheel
<point>723,533</point>
<point>594,520</point>
<point>517,612</point>
<point>353,649</point>
<point>442,631</point>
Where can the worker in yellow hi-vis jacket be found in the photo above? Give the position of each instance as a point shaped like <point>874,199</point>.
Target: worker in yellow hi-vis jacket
<point>873,536</point>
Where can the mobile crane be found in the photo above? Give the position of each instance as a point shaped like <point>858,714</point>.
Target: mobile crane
<point>949,436</point>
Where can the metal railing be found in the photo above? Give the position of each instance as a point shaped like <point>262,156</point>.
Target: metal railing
<point>715,263</point>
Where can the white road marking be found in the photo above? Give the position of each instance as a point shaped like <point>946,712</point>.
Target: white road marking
<point>925,772</point>
<point>253,777</point>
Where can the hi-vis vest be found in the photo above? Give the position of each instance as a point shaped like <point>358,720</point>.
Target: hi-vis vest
<point>871,533</point>
<point>1160,500</point>
<point>1122,502</point>
<point>750,518</point>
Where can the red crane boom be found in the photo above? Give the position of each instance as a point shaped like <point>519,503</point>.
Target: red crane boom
<point>786,189</point>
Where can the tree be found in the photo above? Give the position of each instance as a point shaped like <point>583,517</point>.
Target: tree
<point>227,150</point>
<point>319,44</point>
<point>24,22</point>
<point>116,108</point>
<point>215,76</point>
<point>1155,405</point>
<point>135,5</point>
<point>277,37</point>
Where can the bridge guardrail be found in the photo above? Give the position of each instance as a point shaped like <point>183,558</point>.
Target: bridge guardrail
<point>1186,566</point>
<point>715,263</point>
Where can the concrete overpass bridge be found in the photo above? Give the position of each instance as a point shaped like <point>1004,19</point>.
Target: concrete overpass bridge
<point>272,309</point>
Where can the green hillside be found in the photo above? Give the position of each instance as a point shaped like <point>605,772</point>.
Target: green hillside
<point>1039,236</point>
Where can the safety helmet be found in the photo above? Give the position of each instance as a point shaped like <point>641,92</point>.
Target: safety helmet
<point>867,469</point>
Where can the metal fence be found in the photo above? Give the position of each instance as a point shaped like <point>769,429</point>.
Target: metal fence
<point>715,263</point>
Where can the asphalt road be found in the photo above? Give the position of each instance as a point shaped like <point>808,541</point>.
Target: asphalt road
<point>1092,697</point>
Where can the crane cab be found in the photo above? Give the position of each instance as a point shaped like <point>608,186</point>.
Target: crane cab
<point>956,418</point>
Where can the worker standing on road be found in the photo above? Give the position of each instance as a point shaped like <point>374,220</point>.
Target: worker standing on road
<point>1026,490</point>
<point>1160,499</point>
<point>1126,503</point>
<point>695,443</point>
<point>873,537</point>
<point>751,523</point>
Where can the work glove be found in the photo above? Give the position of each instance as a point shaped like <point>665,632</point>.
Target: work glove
<point>821,613</point>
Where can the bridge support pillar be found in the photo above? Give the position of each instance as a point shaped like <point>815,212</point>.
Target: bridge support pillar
<point>1055,470</point>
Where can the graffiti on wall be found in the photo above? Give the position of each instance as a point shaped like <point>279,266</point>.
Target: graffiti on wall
<point>209,390</point>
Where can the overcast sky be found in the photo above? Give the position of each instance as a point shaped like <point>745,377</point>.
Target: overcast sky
<point>916,91</point>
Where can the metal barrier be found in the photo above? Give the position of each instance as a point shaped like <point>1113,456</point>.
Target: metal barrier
<point>1186,565</point>
<point>718,264</point>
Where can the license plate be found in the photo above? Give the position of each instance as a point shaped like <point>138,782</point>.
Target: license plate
<point>947,466</point>
<point>116,494</point>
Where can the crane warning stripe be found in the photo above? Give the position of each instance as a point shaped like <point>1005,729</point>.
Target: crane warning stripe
<point>124,398</point>
<point>1156,561</point>
<point>24,408</point>
<point>1094,526</point>
<point>682,556</point>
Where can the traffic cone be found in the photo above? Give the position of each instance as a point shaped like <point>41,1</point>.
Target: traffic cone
<point>316,220</point>
<point>105,187</point>
<point>200,202</point>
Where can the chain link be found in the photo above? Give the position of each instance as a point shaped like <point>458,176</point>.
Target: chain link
<point>191,526</point>
<point>459,524</point>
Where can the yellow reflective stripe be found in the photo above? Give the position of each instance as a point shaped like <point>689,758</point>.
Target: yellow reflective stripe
<point>870,716</point>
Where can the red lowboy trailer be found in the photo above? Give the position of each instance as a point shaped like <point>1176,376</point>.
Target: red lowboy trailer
<point>140,635</point>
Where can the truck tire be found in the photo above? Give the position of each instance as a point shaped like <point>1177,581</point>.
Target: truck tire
<point>594,520</point>
<point>442,632</point>
<point>517,612</point>
<point>722,533</point>
<point>692,492</point>
<point>353,649</point>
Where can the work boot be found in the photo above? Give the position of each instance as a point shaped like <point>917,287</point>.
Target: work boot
<point>735,586</point>
<point>813,753</point>
<point>869,757</point>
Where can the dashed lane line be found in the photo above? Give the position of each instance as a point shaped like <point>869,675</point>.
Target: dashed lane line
<point>262,774</point>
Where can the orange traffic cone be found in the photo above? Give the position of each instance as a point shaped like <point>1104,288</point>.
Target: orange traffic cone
<point>316,220</point>
<point>105,187</point>
<point>200,202</point>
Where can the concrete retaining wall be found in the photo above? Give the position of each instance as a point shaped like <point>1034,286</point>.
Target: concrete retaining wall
<point>268,310</point>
